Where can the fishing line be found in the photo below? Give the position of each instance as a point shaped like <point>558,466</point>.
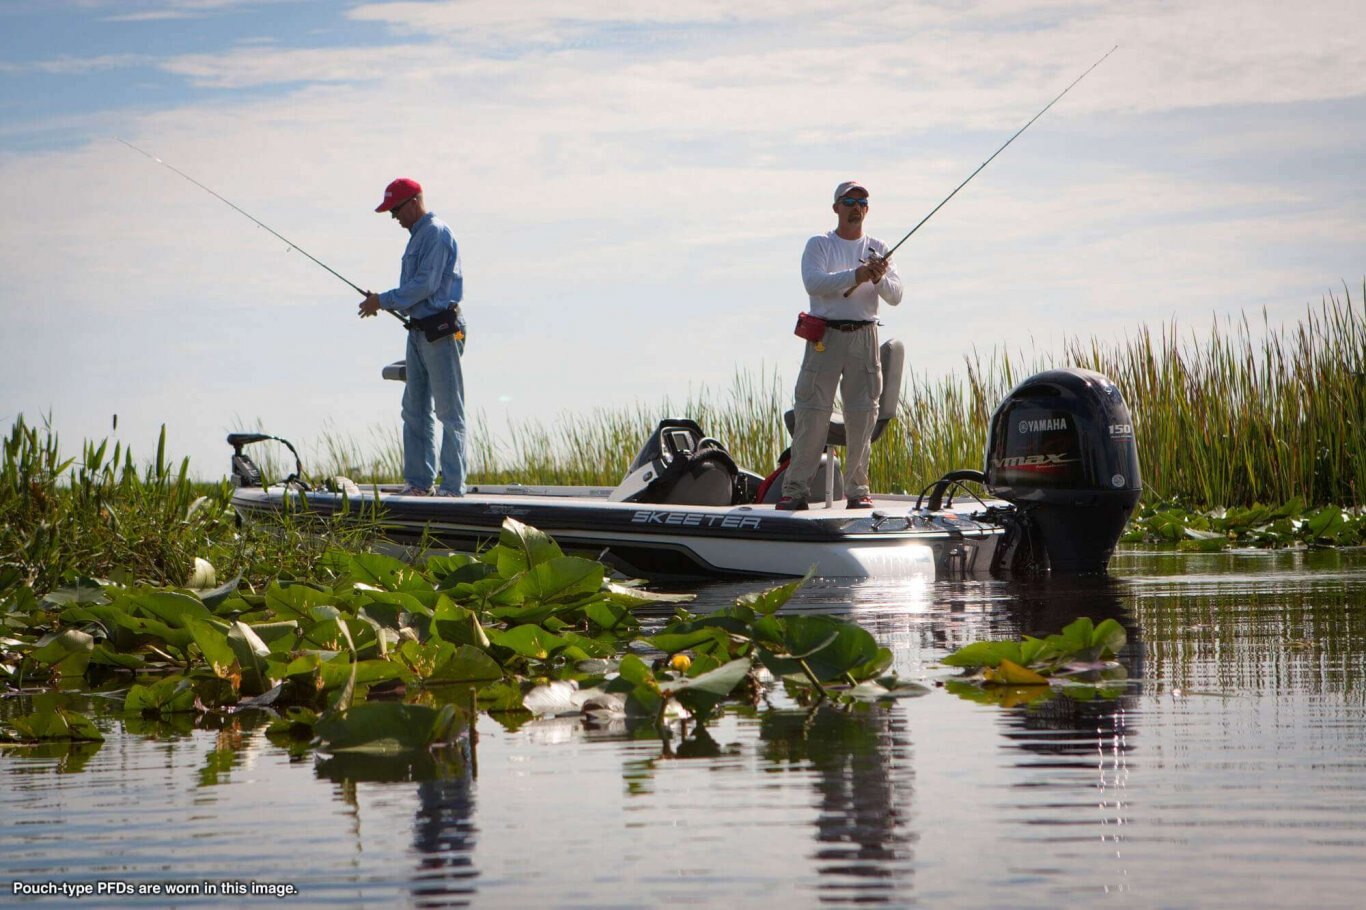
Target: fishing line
<point>258,222</point>
<point>993,155</point>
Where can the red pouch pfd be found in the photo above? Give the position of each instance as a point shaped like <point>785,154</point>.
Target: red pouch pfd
<point>812,328</point>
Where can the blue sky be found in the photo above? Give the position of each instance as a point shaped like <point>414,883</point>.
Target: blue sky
<point>632,186</point>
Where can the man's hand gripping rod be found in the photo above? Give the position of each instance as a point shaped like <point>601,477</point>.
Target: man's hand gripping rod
<point>988,161</point>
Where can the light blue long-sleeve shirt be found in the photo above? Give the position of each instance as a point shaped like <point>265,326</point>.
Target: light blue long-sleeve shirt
<point>431,279</point>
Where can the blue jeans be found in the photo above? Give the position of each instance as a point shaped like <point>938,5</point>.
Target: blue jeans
<point>434,378</point>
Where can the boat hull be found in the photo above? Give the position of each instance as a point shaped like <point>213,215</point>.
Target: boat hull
<point>892,540</point>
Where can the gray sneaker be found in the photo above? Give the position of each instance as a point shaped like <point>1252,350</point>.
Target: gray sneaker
<point>410,490</point>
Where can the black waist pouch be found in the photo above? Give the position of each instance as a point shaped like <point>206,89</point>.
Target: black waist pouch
<point>439,325</point>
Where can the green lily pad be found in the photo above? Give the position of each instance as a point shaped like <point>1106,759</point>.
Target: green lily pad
<point>68,652</point>
<point>386,728</point>
<point>57,723</point>
<point>172,695</point>
<point>701,694</point>
<point>528,641</point>
<point>521,547</point>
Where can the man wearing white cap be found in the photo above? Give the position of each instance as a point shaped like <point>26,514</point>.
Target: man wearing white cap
<point>847,358</point>
<point>428,297</point>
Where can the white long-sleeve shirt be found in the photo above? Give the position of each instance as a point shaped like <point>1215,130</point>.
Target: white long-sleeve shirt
<point>828,266</point>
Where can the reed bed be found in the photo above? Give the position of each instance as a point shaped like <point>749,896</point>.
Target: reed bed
<point>1238,421</point>
<point>105,514</point>
<point>1235,418</point>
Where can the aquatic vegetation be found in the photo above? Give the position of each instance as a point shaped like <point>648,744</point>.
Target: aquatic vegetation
<point>105,515</point>
<point>52,722</point>
<point>1079,662</point>
<point>364,656</point>
<point>1290,524</point>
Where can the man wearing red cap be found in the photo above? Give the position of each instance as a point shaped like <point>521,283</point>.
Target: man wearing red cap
<point>848,357</point>
<point>428,297</point>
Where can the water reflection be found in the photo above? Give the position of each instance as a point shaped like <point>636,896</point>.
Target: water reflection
<point>1070,755</point>
<point>444,834</point>
<point>1236,747</point>
<point>1090,730</point>
<point>444,831</point>
<point>863,779</point>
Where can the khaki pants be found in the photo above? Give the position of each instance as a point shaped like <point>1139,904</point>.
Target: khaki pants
<point>851,362</point>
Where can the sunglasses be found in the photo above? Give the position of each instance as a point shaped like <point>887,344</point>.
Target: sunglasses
<point>398,208</point>
<point>852,201</point>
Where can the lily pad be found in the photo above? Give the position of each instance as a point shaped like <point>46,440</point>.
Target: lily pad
<point>68,652</point>
<point>386,728</point>
<point>57,723</point>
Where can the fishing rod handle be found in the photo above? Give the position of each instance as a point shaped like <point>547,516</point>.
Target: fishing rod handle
<point>870,256</point>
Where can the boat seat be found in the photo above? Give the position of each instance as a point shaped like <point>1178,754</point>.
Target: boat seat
<point>893,355</point>
<point>679,465</point>
<point>707,478</point>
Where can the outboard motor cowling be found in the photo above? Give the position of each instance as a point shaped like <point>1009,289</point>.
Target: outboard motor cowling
<point>1061,448</point>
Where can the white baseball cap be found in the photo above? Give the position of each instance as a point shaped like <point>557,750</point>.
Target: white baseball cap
<point>844,188</point>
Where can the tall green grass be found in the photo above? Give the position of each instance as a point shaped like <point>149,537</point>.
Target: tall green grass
<point>1235,418</point>
<point>105,514</point>
<point>1234,421</point>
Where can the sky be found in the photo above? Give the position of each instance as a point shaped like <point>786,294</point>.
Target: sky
<point>631,186</point>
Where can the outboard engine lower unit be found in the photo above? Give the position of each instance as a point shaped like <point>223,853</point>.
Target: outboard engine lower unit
<point>1061,448</point>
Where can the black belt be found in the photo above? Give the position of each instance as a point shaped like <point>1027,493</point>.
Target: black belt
<point>848,325</point>
<point>412,323</point>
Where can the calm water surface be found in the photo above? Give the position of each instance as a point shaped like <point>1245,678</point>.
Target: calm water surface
<point>1232,773</point>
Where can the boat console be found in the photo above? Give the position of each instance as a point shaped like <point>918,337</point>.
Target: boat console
<point>680,465</point>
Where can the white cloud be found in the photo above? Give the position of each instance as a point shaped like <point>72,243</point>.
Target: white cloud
<point>163,10</point>
<point>75,66</point>
<point>248,67</point>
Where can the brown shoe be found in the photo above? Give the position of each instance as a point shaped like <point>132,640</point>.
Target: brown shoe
<point>860,502</point>
<point>791,504</point>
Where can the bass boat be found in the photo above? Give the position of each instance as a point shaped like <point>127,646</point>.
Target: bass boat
<point>1060,479</point>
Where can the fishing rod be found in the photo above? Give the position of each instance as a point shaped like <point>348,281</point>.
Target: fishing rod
<point>993,155</point>
<point>258,222</point>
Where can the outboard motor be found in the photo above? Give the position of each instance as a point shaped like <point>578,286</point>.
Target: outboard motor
<point>1061,448</point>
<point>680,465</point>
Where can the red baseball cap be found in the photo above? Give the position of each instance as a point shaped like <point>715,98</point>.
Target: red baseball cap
<point>400,191</point>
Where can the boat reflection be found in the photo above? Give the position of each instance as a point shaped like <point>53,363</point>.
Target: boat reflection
<point>1072,755</point>
<point>1072,751</point>
<point>444,830</point>
<point>862,773</point>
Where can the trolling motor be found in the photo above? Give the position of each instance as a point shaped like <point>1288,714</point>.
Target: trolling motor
<point>245,473</point>
<point>1061,448</point>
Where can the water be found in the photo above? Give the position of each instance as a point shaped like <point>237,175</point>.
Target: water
<point>1228,775</point>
